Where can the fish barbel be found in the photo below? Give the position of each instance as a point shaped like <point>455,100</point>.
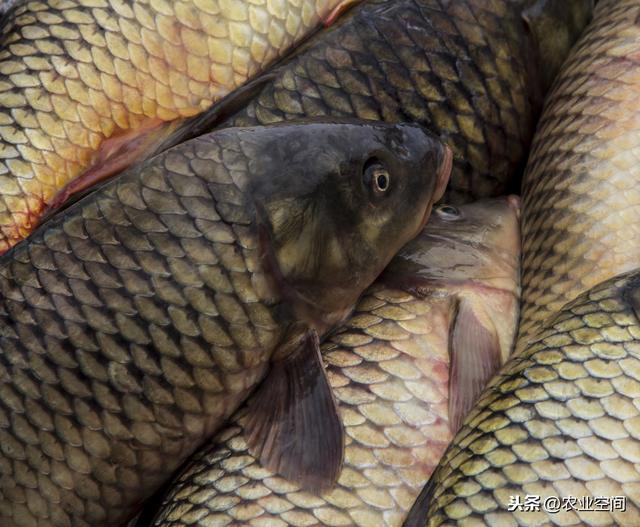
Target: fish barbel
<point>87,87</point>
<point>405,369</point>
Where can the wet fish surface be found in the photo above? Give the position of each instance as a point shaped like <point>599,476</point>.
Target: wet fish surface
<point>581,204</point>
<point>468,70</point>
<point>561,420</point>
<point>90,86</point>
<point>137,319</point>
<point>391,370</point>
<point>5,5</point>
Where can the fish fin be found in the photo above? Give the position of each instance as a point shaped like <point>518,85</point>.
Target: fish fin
<point>115,155</point>
<point>474,351</point>
<point>338,11</point>
<point>292,425</point>
<point>210,118</point>
<point>417,514</point>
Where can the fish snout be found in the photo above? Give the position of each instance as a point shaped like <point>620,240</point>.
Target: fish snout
<point>443,174</point>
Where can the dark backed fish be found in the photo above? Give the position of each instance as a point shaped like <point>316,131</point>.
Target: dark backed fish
<point>89,87</point>
<point>137,320</point>
<point>405,369</point>
<point>472,71</point>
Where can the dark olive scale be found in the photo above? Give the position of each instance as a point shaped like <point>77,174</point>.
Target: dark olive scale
<point>134,322</point>
<point>465,69</point>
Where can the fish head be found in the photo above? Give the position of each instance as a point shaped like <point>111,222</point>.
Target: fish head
<point>477,242</point>
<point>471,254</point>
<point>341,198</point>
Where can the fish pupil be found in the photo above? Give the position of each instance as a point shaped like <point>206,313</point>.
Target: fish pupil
<point>382,181</point>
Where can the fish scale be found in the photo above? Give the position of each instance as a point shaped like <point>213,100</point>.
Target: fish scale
<point>462,69</point>
<point>134,322</point>
<point>393,399</point>
<point>143,267</point>
<point>389,368</point>
<point>580,197</point>
<point>560,420</point>
<point>79,72</point>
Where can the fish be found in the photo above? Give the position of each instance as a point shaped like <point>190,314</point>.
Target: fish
<point>581,205</point>
<point>134,322</point>
<point>89,87</point>
<point>554,439</point>
<point>405,368</point>
<point>5,5</point>
<point>471,71</point>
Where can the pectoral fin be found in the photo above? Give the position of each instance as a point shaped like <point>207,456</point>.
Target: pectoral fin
<point>474,350</point>
<point>293,426</point>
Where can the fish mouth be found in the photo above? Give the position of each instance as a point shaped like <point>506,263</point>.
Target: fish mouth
<point>425,218</point>
<point>443,174</point>
<point>442,180</point>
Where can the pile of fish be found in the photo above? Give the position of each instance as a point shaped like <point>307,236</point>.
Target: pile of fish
<point>319,263</point>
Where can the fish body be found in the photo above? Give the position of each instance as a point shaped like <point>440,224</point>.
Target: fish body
<point>89,87</point>
<point>554,438</point>
<point>5,5</point>
<point>389,367</point>
<point>580,192</point>
<point>469,70</point>
<point>135,321</point>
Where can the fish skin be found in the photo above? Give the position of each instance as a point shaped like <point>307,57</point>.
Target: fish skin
<point>5,5</point>
<point>135,321</point>
<point>389,368</point>
<point>464,69</point>
<point>559,420</point>
<point>79,73</point>
<point>580,194</point>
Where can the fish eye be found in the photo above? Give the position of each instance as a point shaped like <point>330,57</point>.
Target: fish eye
<point>448,212</point>
<point>377,177</point>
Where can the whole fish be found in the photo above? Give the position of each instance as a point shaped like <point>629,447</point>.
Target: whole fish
<point>89,86</point>
<point>139,318</point>
<point>404,370</point>
<point>581,203</point>
<point>555,439</point>
<point>472,71</point>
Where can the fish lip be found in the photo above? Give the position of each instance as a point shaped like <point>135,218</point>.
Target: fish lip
<point>443,174</point>
<point>442,180</point>
<point>425,218</point>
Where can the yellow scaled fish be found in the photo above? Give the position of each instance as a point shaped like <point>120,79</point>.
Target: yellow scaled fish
<point>581,200</point>
<point>87,87</point>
